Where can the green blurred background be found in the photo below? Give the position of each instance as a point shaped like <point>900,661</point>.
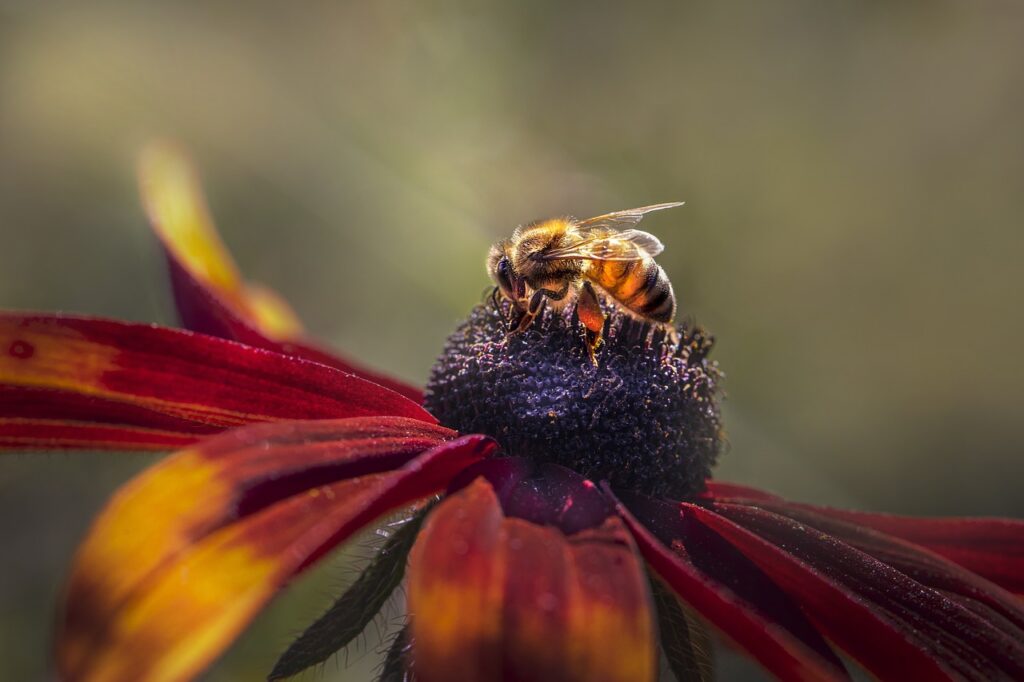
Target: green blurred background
<point>854,178</point>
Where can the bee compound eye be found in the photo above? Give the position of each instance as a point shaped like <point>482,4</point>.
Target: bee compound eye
<point>503,274</point>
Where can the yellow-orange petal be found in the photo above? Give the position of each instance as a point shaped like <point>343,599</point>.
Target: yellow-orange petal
<point>210,293</point>
<point>175,503</point>
<point>495,598</point>
<point>173,199</point>
<point>456,588</point>
<point>157,591</point>
<point>610,603</point>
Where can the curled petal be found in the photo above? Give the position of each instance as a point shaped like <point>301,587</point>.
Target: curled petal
<point>177,210</point>
<point>210,294</point>
<point>897,627</point>
<point>503,473</point>
<point>175,566</point>
<point>558,497</point>
<point>493,597</point>
<point>546,494</point>
<point>770,631</point>
<point>84,382</point>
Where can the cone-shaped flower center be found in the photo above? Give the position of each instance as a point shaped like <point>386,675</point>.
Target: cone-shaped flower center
<point>645,419</point>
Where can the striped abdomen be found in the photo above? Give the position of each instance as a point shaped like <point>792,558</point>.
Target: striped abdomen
<point>639,285</point>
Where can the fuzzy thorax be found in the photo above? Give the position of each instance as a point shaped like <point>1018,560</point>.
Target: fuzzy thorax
<point>645,419</point>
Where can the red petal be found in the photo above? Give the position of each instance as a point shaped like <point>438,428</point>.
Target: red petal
<point>46,434</point>
<point>991,547</point>
<point>209,292</point>
<point>767,639</point>
<point>721,489</point>
<point>84,382</point>
<point>896,627</point>
<point>917,562</point>
<point>172,570</point>
<point>500,598</point>
<point>723,563</point>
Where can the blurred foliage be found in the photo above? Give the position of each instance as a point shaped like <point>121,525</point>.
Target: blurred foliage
<point>853,175</point>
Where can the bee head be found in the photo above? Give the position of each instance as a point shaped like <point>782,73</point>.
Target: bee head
<point>502,271</point>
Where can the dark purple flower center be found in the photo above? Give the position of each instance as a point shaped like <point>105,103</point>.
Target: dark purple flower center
<point>646,419</point>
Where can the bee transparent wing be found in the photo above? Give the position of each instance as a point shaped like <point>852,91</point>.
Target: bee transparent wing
<point>618,246</point>
<point>645,242</point>
<point>621,220</point>
<point>611,237</point>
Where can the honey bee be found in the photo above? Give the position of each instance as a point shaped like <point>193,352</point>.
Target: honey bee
<point>561,260</point>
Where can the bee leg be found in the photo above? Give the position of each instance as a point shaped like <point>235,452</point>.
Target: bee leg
<point>537,301</point>
<point>515,320</point>
<point>673,337</point>
<point>497,303</point>
<point>588,307</point>
<point>649,331</point>
<point>532,310</point>
<point>521,321</point>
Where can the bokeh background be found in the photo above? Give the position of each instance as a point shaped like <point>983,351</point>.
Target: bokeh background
<point>854,178</point>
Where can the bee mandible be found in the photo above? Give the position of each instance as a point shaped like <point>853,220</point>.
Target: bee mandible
<point>561,260</point>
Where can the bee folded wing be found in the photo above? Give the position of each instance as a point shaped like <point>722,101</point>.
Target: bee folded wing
<point>627,245</point>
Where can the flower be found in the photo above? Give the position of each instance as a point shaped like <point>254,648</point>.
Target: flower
<point>562,561</point>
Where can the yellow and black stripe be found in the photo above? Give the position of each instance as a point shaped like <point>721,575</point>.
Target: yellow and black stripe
<point>639,285</point>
